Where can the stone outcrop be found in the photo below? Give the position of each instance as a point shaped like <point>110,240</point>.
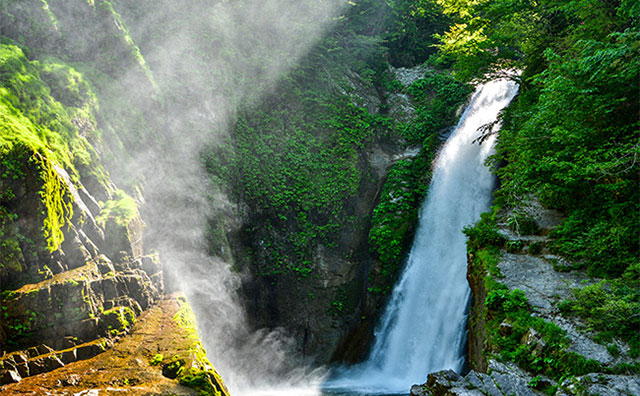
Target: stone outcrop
<point>501,380</point>
<point>58,306</point>
<point>526,264</point>
<point>136,365</point>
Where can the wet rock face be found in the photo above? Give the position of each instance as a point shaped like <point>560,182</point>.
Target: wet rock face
<point>50,296</point>
<point>55,302</point>
<point>330,312</point>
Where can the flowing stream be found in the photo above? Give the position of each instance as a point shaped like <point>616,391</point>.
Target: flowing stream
<point>424,326</point>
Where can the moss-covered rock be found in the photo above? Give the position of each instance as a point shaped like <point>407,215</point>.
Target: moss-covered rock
<point>163,341</point>
<point>117,320</point>
<point>195,370</point>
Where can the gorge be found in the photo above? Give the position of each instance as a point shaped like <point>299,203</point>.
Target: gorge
<point>241,185</point>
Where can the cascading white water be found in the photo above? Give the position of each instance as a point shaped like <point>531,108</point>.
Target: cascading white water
<point>424,326</point>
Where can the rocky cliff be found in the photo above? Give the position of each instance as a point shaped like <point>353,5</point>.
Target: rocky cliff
<point>74,273</point>
<point>327,290</point>
<point>522,338</point>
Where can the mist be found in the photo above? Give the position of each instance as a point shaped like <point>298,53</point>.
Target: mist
<point>206,60</point>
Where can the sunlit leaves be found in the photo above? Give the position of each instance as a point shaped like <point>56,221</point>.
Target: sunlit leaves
<point>573,140</point>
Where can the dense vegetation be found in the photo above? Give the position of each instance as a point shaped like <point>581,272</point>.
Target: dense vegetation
<point>570,139</point>
<point>38,105</point>
<point>297,157</point>
<point>48,119</point>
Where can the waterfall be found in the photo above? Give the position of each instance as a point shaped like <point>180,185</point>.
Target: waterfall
<point>424,326</point>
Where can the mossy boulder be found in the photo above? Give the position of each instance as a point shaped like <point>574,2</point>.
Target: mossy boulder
<point>117,320</point>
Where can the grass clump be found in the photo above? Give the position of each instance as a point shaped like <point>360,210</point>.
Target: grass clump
<point>611,308</point>
<point>204,382</point>
<point>122,208</point>
<point>157,359</point>
<point>118,319</point>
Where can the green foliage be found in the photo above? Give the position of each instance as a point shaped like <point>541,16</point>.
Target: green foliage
<point>404,27</point>
<point>437,97</point>
<point>296,157</point>
<point>40,105</point>
<point>11,256</point>
<point>571,136</point>
<point>484,233</point>
<point>550,356</point>
<point>503,300</point>
<point>522,223</point>
<point>33,116</point>
<point>297,161</point>
<point>488,257</point>
<point>394,218</point>
<point>410,37</point>
<point>611,308</point>
<point>338,304</point>
<point>534,248</point>
<point>121,208</point>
